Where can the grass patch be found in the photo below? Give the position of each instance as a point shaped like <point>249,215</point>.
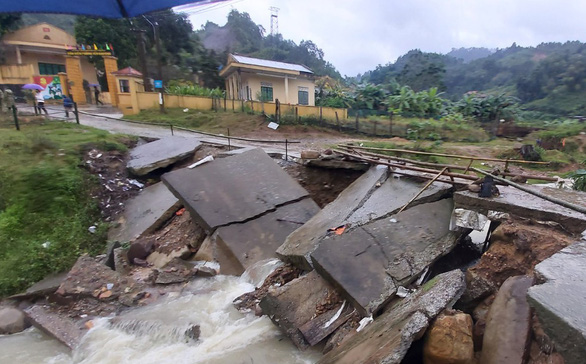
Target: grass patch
<point>219,122</point>
<point>45,203</point>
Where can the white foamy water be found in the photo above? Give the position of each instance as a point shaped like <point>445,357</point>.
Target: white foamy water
<point>154,334</point>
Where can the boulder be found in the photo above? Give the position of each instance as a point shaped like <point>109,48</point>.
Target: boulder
<point>508,324</point>
<point>387,339</point>
<point>233,190</point>
<point>161,153</point>
<point>449,340</point>
<point>368,263</point>
<point>559,301</point>
<point>295,304</point>
<point>145,213</point>
<point>12,320</point>
<point>140,250</point>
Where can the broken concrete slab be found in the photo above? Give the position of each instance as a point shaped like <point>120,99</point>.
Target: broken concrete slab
<point>303,241</point>
<point>387,339</point>
<point>58,326</point>
<point>394,193</point>
<point>517,202</point>
<point>369,262</point>
<point>48,285</point>
<point>161,153</point>
<point>234,189</point>
<point>233,152</point>
<point>293,305</point>
<point>508,324</point>
<point>560,300</point>
<point>255,240</point>
<point>145,213</point>
<point>314,331</point>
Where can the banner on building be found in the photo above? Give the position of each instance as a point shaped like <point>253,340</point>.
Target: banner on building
<point>51,85</point>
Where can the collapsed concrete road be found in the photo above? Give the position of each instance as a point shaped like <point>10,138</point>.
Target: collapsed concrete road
<point>561,299</point>
<point>376,194</point>
<point>247,201</point>
<point>145,213</point>
<point>370,262</point>
<point>388,338</point>
<point>520,203</point>
<point>160,154</point>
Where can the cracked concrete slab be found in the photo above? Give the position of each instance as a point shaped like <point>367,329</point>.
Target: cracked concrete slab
<point>235,189</point>
<point>368,262</point>
<point>387,339</point>
<point>560,300</point>
<point>520,203</point>
<point>161,153</point>
<point>255,240</point>
<point>303,241</point>
<point>145,213</point>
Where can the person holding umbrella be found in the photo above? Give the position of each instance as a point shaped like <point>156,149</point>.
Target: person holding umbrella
<point>40,102</point>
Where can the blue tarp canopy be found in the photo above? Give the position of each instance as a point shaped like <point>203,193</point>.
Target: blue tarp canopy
<point>97,8</point>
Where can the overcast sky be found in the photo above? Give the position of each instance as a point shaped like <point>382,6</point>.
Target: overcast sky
<point>358,35</point>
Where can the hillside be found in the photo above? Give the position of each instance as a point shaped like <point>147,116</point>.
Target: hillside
<point>548,78</point>
<point>241,35</point>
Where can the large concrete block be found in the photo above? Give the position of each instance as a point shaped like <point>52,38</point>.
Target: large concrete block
<point>235,189</point>
<point>161,153</point>
<point>508,323</point>
<point>394,193</point>
<point>294,304</point>
<point>255,240</point>
<point>560,301</point>
<point>303,241</point>
<point>388,338</point>
<point>145,213</point>
<point>369,262</point>
<point>526,205</point>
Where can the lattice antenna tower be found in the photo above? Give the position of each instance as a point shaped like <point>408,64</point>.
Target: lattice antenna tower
<point>274,20</point>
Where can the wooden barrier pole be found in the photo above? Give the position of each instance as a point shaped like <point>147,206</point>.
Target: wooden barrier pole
<point>424,188</point>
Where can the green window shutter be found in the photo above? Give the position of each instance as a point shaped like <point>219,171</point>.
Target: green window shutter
<point>303,97</point>
<point>266,93</point>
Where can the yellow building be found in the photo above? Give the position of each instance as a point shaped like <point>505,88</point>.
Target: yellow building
<point>250,78</point>
<point>37,53</point>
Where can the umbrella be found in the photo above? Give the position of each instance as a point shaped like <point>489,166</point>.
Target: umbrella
<point>33,86</point>
<point>102,8</point>
<point>94,85</point>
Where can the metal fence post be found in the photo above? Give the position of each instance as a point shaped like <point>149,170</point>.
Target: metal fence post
<point>286,149</point>
<point>76,112</point>
<point>15,114</point>
<point>172,133</point>
<point>228,139</point>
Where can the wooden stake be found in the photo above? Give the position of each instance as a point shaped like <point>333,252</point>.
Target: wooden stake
<point>423,189</point>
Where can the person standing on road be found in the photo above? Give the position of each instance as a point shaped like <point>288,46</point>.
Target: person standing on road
<point>68,105</point>
<point>97,95</point>
<point>40,102</point>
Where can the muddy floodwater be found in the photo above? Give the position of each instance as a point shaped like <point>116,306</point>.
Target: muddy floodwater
<point>153,334</point>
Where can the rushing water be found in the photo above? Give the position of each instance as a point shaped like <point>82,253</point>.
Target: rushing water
<point>154,334</point>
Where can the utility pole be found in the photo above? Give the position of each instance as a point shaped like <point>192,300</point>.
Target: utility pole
<point>159,61</point>
<point>142,58</point>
